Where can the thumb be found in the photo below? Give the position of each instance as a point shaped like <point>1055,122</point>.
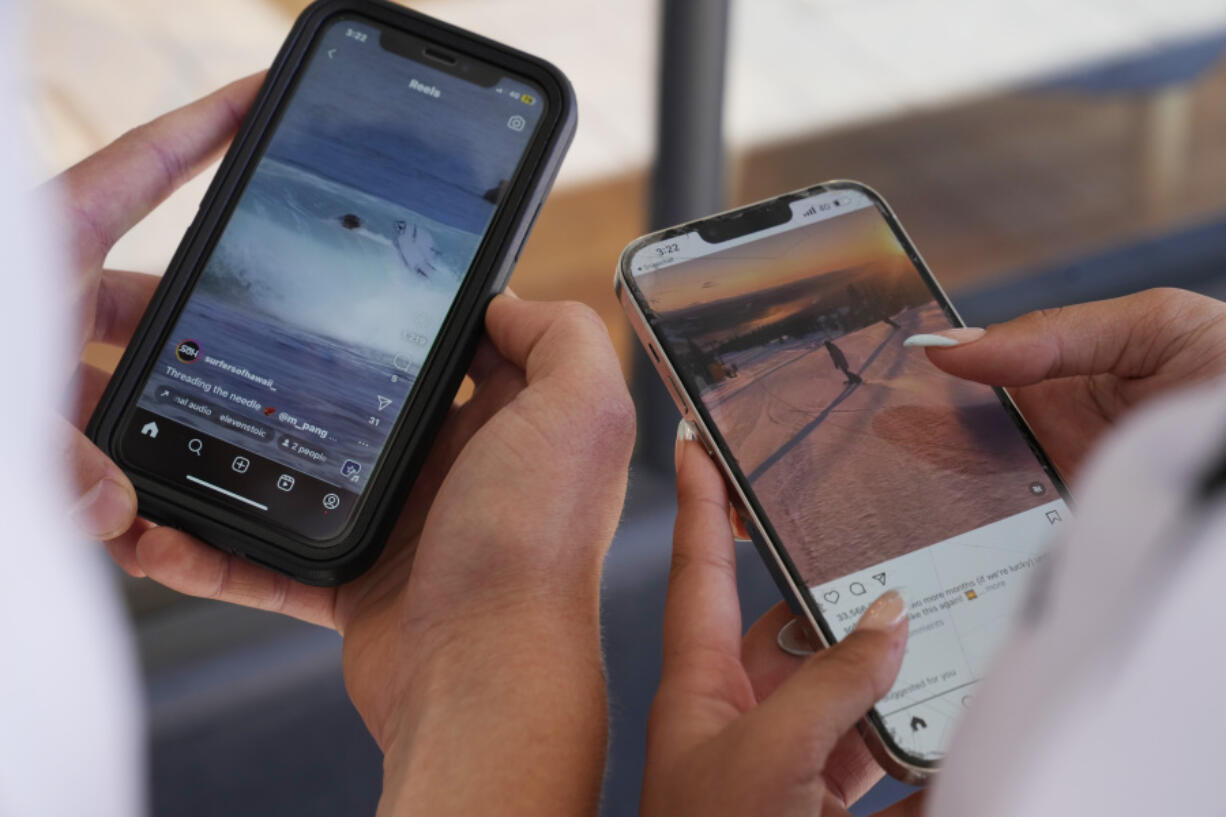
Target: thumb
<point>103,499</point>
<point>1127,337</point>
<point>796,728</point>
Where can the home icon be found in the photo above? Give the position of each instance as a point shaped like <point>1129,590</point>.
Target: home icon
<point>150,429</point>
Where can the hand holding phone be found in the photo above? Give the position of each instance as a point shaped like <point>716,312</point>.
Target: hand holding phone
<point>281,391</point>
<point>496,584</point>
<point>1076,371</point>
<point>106,195</point>
<point>857,465</point>
<point>738,726</point>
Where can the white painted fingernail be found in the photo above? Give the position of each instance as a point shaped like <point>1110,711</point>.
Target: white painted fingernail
<point>950,337</point>
<point>793,641</point>
<point>884,614</point>
<point>685,433</point>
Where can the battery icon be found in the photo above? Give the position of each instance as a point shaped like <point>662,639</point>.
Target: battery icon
<point>527,99</point>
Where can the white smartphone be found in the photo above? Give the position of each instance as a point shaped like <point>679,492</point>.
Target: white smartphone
<point>855,463</point>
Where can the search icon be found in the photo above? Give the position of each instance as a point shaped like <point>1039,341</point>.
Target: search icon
<point>195,445</point>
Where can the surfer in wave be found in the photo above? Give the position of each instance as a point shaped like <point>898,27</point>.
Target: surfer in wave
<point>417,250</point>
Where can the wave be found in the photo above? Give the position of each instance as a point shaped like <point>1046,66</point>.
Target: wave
<point>338,262</point>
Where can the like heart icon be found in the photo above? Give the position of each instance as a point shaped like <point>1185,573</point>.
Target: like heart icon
<point>831,596</point>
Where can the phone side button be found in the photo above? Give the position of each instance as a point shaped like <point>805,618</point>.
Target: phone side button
<point>528,232</point>
<point>675,392</point>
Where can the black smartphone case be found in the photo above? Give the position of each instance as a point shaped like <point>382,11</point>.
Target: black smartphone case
<point>354,551</point>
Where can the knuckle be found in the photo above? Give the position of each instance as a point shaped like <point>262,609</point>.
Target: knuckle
<point>91,238</point>
<point>278,599</point>
<point>698,669</point>
<point>1166,296</point>
<point>1168,304</point>
<point>598,377</point>
<point>1049,315</point>
<point>808,747</point>
<point>688,560</point>
<point>858,662</point>
<point>1159,306</point>
<point>615,415</point>
<point>579,316</point>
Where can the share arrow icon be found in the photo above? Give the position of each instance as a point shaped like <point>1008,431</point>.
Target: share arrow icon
<point>384,402</point>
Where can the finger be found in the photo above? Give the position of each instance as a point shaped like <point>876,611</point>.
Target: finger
<point>498,387</point>
<point>553,339</point>
<point>485,360</point>
<point>85,390</point>
<point>740,532</point>
<point>122,299</point>
<point>850,771</point>
<point>110,191</point>
<point>702,617</point>
<point>809,713</point>
<point>189,566</point>
<point>103,499</point>
<point>766,664</point>
<point>123,548</point>
<point>1126,337</point>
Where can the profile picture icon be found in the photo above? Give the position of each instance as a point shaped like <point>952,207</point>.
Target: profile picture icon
<point>188,351</point>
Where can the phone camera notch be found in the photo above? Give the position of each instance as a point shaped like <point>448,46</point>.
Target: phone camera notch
<point>440,56</point>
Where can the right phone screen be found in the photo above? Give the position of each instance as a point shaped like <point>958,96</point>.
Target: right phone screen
<point>875,470</point>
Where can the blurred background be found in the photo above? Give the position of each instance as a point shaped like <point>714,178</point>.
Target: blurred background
<point>1039,152</point>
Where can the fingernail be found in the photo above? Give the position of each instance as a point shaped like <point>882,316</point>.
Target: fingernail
<point>105,511</point>
<point>792,639</point>
<point>885,613</point>
<point>950,337</point>
<point>739,531</point>
<point>685,433</point>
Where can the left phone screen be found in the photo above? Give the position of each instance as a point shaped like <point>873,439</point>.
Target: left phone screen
<point>301,340</point>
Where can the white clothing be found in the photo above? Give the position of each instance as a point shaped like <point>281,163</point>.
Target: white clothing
<point>71,724</point>
<point>1108,698</point>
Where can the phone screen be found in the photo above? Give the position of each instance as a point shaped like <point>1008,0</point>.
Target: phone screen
<point>873,469</point>
<point>302,338</point>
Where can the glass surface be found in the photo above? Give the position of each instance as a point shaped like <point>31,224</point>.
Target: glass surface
<point>304,335</point>
<point>874,469</point>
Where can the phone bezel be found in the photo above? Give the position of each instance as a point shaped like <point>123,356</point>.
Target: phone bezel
<point>352,551</point>
<point>894,759</point>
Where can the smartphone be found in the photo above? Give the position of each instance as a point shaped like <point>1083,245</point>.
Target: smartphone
<point>315,323</point>
<point>856,464</point>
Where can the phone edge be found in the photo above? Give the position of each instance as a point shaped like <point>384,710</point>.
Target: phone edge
<point>780,569</point>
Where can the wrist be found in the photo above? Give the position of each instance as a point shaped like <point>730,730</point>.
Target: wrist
<point>506,701</point>
<point>460,654</point>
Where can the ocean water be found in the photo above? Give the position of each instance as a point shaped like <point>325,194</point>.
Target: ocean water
<point>288,253</point>
<point>313,318</point>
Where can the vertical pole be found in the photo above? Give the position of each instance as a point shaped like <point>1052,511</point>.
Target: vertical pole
<point>688,176</point>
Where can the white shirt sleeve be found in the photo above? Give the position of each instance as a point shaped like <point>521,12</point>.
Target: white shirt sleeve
<point>1108,697</point>
<point>71,729</point>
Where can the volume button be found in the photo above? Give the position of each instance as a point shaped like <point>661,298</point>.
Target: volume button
<point>675,390</point>
<point>528,232</point>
